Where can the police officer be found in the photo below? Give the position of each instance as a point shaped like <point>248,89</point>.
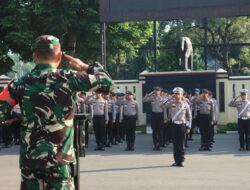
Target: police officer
<point>167,131</point>
<point>181,118</point>
<point>130,118</point>
<point>242,104</point>
<point>85,109</point>
<point>157,116</point>
<point>46,98</point>
<point>111,115</point>
<point>206,118</point>
<point>195,112</point>
<point>122,129</point>
<point>81,108</point>
<point>100,119</point>
<point>216,114</point>
<point>116,121</point>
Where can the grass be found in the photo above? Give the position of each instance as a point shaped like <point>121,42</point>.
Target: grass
<point>227,127</point>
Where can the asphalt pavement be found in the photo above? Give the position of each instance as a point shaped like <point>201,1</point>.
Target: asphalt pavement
<point>223,168</point>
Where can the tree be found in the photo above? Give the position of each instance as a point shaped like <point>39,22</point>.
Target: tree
<point>75,22</point>
<point>124,41</point>
<point>221,31</point>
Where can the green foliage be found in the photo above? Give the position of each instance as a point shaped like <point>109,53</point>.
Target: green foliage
<point>220,31</point>
<point>227,127</point>
<point>128,44</point>
<point>74,22</point>
<point>124,43</point>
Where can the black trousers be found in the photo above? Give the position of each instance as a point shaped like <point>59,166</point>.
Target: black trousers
<point>6,134</point>
<point>116,129</point>
<point>86,129</point>
<point>157,124</point>
<point>99,129</point>
<point>205,129</point>
<point>179,135</point>
<point>109,130</point>
<point>130,125</point>
<point>244,132</point>
<point>122,130</point>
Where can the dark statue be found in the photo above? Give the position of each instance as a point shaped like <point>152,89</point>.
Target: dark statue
<point>184,54</point>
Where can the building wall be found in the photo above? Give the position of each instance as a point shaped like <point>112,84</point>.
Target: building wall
<point>134,86</point>
<point>233,87</point>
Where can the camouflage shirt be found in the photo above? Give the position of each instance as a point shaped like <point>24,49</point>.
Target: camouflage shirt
<point>46,98</point>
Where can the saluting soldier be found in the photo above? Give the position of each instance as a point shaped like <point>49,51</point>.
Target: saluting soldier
<point>242,105</point>
<point>157,116</point>
<point>181,118</point>
<point>100,117</point>
<point>46,99</point>
<point>206,118</point>
<point>130,118</point>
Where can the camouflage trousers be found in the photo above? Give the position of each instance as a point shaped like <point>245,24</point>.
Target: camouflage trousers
<point>56,178</point>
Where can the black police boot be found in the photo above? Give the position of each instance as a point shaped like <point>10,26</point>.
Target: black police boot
<point>132,147</point>
<point>158,148</point>
<point>155,147</point>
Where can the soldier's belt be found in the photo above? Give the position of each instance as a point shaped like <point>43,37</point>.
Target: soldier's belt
<point>178,122</point>
<point>244,118</point>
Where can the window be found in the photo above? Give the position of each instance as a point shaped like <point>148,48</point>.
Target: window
<point>234,90</point>
<point>221,97</point>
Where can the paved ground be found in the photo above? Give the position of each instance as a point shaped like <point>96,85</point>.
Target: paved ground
<point>223,168</point>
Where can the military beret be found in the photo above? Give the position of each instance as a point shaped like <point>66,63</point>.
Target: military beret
<point>178,90</point>
<point>47,42</point>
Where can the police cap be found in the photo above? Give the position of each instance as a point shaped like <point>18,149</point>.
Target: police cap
<point>197,90</point>
<point>178,90</point>
<point>205,90</point>
<point>129,93</point>
<point>157,88</point>
<point>243,91</point>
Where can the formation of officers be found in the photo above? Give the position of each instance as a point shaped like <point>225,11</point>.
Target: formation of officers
<point>174,116</point>
<point>114,118</point>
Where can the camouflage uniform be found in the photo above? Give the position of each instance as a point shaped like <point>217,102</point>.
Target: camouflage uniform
<point>46,96</point>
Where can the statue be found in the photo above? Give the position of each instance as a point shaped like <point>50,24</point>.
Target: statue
<point>184,51</point>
